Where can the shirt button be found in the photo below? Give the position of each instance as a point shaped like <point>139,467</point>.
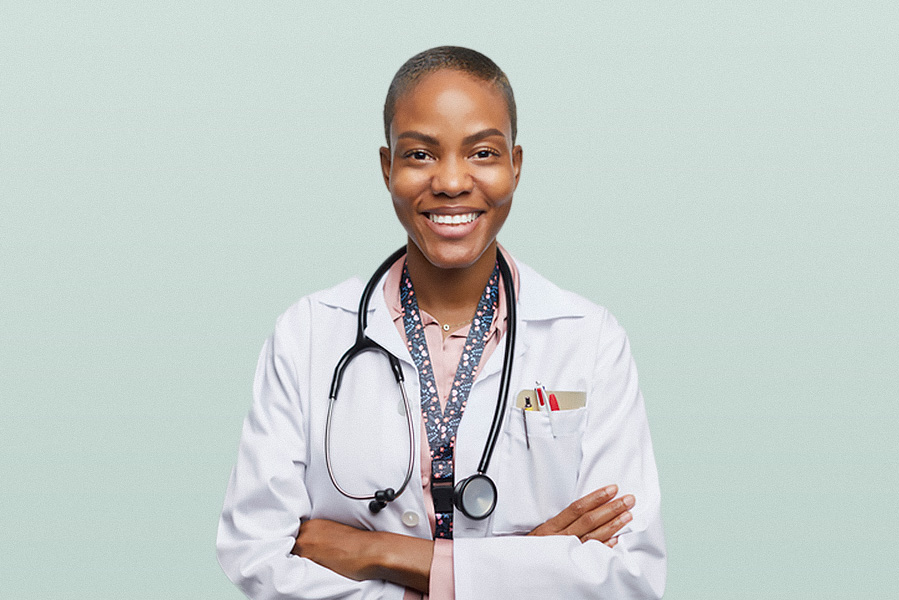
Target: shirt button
<point>410,518</point>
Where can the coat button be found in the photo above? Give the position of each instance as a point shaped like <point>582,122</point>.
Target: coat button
<point>410,518</point>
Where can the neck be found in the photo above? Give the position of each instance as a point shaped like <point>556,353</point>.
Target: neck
<point>449,295</point>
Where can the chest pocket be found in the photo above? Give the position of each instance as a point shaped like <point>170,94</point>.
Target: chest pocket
<point>536,483</point>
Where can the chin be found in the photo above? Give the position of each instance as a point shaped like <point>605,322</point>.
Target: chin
<point>454,258</point>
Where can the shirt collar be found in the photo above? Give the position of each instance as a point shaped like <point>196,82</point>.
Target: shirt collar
<point>538,298</point>
<point>391,290</point>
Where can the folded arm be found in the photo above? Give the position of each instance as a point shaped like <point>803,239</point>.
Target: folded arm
<point>404,560</point>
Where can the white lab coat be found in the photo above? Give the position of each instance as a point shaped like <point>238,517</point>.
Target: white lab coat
<point>563,341</point>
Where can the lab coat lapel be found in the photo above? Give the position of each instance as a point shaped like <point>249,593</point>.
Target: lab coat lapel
<point>495,363</point>
<point>538,300</point>
<point>382,330</point>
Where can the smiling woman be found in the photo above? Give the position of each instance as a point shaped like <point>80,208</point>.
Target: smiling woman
<point>563,450</point>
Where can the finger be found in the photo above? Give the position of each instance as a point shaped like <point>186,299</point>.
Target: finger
<point>607,531</point>
<point>597,520</point>
<point>612,542</point>
<point>576,510</point>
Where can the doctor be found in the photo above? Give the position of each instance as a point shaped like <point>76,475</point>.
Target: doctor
<point>578,508</point>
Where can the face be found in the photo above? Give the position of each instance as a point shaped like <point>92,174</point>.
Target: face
<point>451,168</point>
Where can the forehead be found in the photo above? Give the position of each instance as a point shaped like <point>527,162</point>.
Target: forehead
<point>451,100</point>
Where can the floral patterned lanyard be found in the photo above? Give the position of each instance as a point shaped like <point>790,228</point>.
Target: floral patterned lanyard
<point>441,424</point>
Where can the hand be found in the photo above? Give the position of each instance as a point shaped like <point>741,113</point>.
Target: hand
<point>360,554</point>
<point>596,516</point>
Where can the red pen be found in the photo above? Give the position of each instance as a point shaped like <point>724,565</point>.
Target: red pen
<point>542,399</point>
<point>543,402</point>
<point>553,403</point>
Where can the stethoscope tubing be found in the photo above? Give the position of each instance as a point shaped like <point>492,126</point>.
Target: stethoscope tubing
<point>364,344</point>
<point>506,374</point>
<point>411,431</point>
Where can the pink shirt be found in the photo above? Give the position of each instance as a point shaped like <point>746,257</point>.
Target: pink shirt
<point>445,355</point>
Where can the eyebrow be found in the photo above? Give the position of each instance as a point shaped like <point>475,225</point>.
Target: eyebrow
<point>417,135</point>
<point>427,139</point>
<point>477,137</point>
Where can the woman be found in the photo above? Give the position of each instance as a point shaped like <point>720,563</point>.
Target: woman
<point>577,511</point>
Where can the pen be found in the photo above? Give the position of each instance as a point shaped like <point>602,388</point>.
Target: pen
<point>543,404</point>
<point>527,407</point>
<point>553,402</point>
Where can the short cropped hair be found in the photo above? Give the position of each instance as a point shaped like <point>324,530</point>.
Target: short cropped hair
<point>448,57</point>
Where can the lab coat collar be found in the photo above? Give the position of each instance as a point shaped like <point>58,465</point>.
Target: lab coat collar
<point>538,300</point>
<point>541,300</point>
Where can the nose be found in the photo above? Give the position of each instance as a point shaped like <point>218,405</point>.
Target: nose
<point>451,177</point>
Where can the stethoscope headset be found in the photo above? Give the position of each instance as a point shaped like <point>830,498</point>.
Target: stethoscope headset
<point>475,496</point>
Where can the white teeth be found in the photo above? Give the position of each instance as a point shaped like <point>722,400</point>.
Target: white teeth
<point>453,219</point>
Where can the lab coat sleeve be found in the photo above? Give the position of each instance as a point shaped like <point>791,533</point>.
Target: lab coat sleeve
<point>267,497</point>
<point>616,449</point>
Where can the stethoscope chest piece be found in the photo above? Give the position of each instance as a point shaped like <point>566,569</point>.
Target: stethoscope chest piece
<point>475,496</point>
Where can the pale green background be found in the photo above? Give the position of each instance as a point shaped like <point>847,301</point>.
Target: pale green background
<point>722,177</point>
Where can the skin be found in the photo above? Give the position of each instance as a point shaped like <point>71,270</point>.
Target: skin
<point>450,153</point>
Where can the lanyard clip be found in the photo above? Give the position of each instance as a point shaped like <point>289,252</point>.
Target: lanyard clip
<point>442,493</point>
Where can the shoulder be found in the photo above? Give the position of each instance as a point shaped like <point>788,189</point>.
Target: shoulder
<point>547,307</point>
<point>541,299</point>
<point>339,300</point>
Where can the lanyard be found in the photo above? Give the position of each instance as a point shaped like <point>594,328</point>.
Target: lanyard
<point>441,424</point>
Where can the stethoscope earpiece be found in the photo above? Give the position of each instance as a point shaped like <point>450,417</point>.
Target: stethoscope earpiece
<point>382,497</point>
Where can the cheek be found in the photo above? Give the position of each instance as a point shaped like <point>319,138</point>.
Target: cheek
<point>402,209</point>
<point>402,191</point>
<point>405,211</point>
<point>499,186</point>
<point>503,212</point>
<point>407,182</point>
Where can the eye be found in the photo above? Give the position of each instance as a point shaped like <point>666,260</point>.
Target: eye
<point>417,155</point>
<point>486,153</point>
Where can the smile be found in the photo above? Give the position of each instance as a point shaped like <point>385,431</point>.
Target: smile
<point>453,219</point>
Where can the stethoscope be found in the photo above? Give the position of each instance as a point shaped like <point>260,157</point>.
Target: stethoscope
<point>474,496</point>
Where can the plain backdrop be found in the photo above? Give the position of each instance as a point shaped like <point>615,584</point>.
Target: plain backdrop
<point>722,176</point>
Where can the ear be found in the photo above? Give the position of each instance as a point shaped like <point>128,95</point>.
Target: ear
<point>516,163</point>
<point>385,165</point>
